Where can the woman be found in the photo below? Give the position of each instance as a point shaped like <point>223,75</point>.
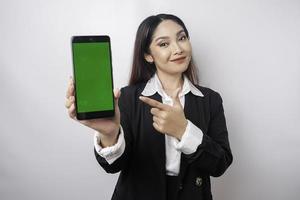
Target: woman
<point>168,135</point>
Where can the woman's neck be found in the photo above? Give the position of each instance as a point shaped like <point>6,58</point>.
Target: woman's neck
<point>170,83</point>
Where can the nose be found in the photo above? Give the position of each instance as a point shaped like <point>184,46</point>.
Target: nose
<point>177,48</point>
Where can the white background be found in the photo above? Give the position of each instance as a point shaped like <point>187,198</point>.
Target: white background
<point>246,50</point>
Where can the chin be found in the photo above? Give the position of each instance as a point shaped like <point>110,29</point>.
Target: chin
<point>183,68</point>
<point>179,71</point>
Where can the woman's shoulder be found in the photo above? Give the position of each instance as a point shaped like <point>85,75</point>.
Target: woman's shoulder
<point>206,90</point>
<point>130,96</point>
<point>210,94</point>
<point>133,90</point>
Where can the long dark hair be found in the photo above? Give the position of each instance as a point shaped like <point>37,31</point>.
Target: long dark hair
<point>142,70</point>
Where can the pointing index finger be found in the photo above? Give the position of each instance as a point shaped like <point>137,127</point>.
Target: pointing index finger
<point>153,103</point>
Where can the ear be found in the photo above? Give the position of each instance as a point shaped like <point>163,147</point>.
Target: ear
<point>148,58</point>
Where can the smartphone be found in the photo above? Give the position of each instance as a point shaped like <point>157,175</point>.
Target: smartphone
<point>92,70</point>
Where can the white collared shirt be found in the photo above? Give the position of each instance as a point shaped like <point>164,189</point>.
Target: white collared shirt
<point>188,144</point>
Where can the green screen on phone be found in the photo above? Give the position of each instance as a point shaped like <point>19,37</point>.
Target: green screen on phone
<point>93,76</point>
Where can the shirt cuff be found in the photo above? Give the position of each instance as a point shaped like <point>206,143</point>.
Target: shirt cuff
<point>190,140</point>
<point>112,153</point>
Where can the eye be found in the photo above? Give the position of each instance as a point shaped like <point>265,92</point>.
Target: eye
<point>183,37</point>
<point>163,44</point>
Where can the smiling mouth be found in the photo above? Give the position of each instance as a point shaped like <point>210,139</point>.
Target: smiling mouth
<point>178,59</point>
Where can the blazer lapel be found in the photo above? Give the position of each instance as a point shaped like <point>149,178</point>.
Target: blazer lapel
<point>193,111</point>
<point>160,138</point>
<point>155,137</point>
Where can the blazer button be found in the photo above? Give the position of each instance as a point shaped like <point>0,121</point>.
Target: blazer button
<point>198,182</point>
<point>180,186</point>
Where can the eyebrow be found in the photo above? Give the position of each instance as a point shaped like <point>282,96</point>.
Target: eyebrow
<point>166,37</point>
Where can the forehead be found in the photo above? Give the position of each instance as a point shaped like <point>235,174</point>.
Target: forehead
<point>167,28</point>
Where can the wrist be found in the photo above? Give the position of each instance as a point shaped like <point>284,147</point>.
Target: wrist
<point>109,139</point>
<point>182,130</point>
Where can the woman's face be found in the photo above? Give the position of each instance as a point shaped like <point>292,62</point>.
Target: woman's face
<point>170,49</point>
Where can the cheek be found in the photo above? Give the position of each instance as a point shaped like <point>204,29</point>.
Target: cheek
<point>161,56</point>
<point>188,48</point>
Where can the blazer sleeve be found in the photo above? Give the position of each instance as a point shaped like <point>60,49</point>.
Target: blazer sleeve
<point>213,156</point>
<point>123,160</point>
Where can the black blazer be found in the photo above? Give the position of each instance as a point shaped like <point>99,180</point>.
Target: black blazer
<point>142,165</point>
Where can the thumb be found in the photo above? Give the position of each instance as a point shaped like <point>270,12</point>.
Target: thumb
<point>117,94</point>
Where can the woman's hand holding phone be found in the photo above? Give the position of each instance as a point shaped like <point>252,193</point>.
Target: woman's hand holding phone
<point>107,127</point>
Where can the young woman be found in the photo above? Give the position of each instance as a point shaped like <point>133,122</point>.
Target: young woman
<point>169,134</point>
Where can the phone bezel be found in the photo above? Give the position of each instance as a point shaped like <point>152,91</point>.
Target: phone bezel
<point>88,39</point>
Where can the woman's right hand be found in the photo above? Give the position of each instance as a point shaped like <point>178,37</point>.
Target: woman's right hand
<point>107,127</point>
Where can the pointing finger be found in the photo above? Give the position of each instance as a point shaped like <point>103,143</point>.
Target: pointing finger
<point>154,103</point>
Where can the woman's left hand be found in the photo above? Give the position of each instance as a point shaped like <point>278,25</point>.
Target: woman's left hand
<point>167,119</point>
